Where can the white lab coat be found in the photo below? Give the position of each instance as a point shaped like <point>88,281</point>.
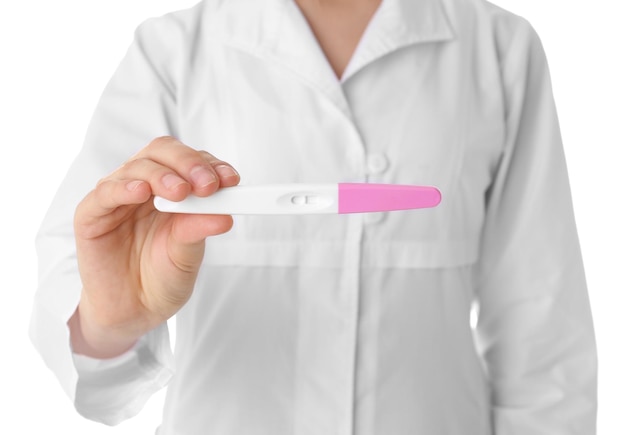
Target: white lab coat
<point>348,324</point>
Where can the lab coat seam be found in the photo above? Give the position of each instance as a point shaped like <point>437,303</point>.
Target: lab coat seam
<point>514,110</point>
<point>459,159</point>
<point>297,369</point>
<point>507,150</point>
<point>142,48</point>
<point>357,222</point>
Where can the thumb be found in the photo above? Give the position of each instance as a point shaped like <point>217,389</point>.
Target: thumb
<point>188,232</point>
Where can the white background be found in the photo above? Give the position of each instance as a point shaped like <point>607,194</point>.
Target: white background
<point>56,56</point>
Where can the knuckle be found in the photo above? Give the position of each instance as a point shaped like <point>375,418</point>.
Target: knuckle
<point>128,166</point>
<point>138,161</point>
<point>102,189</point>
<point>206,155</point>
<point>161,141</point>
<point>218,162</point>
<point>140,168</point>
<point>100,182</point>
<point>212,160</point>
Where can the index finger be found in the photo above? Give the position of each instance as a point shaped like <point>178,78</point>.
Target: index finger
<point>203,171</point>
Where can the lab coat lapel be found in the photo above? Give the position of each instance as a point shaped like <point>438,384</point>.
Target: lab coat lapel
<point>298,50</point>
<point>276,30</point>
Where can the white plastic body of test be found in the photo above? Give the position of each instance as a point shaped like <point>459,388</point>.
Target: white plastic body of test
<point>271,199</point>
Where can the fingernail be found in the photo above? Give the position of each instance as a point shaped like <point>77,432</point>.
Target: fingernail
<point>172,181</point>
<point>201,176</point>
<point>226,171</point>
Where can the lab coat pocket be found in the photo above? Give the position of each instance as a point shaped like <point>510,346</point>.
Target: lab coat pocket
<point>415,240</point>
<point>283,241</point>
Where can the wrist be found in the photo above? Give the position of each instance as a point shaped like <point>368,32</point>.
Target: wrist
<point>92,340</point>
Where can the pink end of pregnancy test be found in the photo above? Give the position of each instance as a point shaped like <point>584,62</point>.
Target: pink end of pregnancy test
<point>284,199</point>
<point>365,197</point>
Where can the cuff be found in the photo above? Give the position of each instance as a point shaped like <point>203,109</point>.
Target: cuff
<point>115,389</point>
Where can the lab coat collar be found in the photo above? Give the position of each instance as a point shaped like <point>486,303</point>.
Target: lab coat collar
<point>399,23</point>
<point>273,30</point>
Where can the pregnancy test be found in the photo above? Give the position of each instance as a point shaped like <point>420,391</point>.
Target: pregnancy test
<point>282,199</point>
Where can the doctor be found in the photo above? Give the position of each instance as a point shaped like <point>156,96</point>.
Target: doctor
<point>348,325</point>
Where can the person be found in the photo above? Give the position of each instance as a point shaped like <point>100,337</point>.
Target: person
<point>355,324</point>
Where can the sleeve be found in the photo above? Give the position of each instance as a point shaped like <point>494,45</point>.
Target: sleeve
<point>137,105</point>
<point>534,329</point>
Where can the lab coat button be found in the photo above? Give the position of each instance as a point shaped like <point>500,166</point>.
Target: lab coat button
<point>377,163</point>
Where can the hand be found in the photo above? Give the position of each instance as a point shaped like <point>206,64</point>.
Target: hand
<point>138,266</point>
